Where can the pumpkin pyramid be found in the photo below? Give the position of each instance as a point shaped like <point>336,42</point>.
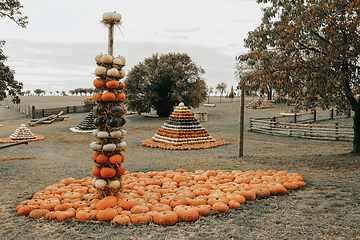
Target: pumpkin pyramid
<point>182,131</point>
<point>87,125</point>
<point>22,132</point>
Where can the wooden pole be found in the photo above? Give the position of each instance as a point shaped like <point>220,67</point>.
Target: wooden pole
<point>241,122</point>
<point>111,40</point>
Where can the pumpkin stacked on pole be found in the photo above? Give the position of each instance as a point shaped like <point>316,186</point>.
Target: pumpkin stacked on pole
<point>110,112</point>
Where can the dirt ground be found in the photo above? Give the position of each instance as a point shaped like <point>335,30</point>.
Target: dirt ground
<point>328,208</point>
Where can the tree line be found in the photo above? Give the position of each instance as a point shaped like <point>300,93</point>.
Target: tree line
<point>77,91</point>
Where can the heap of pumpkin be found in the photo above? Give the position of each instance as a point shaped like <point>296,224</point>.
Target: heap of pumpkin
<point>182,131</point>
<point>110,111</point>
<point>161,197</point>
<point>21,134</point>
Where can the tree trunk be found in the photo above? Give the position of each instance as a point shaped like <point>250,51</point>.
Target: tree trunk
<point>356,142</point>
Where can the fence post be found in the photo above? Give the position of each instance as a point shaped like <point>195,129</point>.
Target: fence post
<point>251,124</point>
<point>295,116</point>
<point>336,131</point>
<point>43,112</point>
<point>332,114</point>
<point>74,109</point>
<point>314,112</point>
<point>33,112</point>
<point>67,109</point>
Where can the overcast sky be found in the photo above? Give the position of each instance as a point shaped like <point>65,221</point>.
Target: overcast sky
<point>56,51</point>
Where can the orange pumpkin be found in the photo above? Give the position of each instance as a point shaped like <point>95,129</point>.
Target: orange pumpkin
<point>106,214</point>
<point>101,159</point>
<point>234,204</point>
<point>121,219</point>
<point>128,203</point>
<point>50,216</point>
<point>159,207</point>
<point>175,201</point>
<point>96,96</point>
<point>187,213</point>
<point>50,204</point>
<point>63,207</point>
<point>120,97</point>
<point>262,192</point>
<point>107,172</point>
<point>249,195</point>
<point>139,209</point>
<point>38,213</point>
<point>94,156</point>
<point>98,83</point>
<point>82,215</point>
<point>139,218</point>
<point>166,218</point>
<point>107,202</point>
<point>116,158</point>
<point>108,96</point>
<point>196,201</point>
<point>112,84</point>
<point>121,85</point>
<point>203,210</point>
<point>120,170</point>
<point>220,207</point>
<point>96,170</point>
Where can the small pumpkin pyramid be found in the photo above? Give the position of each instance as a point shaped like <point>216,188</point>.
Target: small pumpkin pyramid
<point>86,125</point>
<point>22,132</point>
<point>182,131</point>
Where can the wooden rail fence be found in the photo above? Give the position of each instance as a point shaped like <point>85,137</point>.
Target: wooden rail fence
<point>34,112</point>
<point>290,126</point>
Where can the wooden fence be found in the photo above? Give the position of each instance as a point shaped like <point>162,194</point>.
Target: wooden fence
<point>290,126</point>
<point>34,112</point>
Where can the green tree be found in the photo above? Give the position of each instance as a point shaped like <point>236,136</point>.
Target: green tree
<point>8,84</point>
<point>39,91</point>
<point>309,51</point>
<point>163,81</point>
<point>221,87</point>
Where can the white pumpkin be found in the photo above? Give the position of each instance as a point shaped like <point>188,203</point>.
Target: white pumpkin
<point>121,73</point>
<point>95,132</point>
<point>114,184</point>
<point>100,183</point>
<point>123,59</point>
<point>95,146</point>
<point>121,146</point>
<point>108,16</point>
<point>117,63</point>
<point>93,181</point>
<point>112,72</point>
<point>117,17</point>
<point>116,134</point>
<point>109,147</point>
<point>102,134</point>
<point>98,58</point>
<point>100,70</point>
<point>123,132</point>
<point>106,58</point>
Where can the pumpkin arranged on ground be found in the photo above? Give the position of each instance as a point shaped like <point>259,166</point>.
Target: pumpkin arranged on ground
<point>156,196</point>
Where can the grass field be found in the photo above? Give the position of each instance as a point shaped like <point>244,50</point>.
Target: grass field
<point>327,208</point>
